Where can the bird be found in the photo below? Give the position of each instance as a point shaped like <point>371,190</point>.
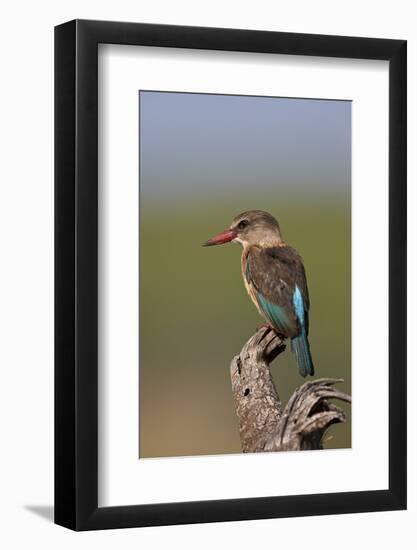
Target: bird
<point>275,279</point>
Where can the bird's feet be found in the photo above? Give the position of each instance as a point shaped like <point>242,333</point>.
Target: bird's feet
<point>265,325</point>
<point>270,327</point>
<point>268,342</point>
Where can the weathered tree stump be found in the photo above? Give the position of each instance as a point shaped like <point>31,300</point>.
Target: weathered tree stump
<point>263,423</point>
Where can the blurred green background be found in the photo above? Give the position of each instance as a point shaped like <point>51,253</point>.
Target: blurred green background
<point>204,159</point>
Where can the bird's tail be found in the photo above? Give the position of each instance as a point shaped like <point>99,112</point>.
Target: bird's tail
<point>301,348</point>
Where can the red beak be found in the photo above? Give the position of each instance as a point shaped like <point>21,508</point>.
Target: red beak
<point>224,237</point>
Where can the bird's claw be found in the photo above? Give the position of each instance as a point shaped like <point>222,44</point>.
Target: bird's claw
<point>265,325</point>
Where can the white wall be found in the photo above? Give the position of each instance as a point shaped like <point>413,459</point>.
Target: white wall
<point>26,291</point>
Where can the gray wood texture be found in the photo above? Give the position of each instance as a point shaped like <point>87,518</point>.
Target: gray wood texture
<point>264,424</point>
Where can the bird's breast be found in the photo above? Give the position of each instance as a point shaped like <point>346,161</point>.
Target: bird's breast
<point>248,285</point>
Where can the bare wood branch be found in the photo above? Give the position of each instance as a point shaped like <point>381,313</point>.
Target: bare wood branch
<point>263,424</point>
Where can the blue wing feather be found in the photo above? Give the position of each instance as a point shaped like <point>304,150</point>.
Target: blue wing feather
<point>276,315</point>
<point>300,343</point>
<point>298,302</point>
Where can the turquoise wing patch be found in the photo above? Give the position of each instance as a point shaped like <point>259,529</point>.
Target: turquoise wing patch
<point>276,315</point>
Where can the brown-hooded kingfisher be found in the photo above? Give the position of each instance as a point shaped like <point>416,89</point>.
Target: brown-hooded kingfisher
<point>274,277</point>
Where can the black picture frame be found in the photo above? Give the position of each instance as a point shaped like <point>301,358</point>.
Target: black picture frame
<point>76,271</point>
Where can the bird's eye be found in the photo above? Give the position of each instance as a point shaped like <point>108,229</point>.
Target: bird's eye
<point>242,224</point>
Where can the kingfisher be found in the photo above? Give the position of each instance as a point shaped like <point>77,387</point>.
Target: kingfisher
<point>275,279</point>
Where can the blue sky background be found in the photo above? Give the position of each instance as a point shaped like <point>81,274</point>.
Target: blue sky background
<point>201,145</point>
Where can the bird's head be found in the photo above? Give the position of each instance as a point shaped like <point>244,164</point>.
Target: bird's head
<point>254,227</point>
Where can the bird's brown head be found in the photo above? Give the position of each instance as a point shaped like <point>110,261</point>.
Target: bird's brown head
<point>254,227</point>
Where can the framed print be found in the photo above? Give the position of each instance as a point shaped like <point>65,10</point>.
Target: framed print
<point>206,383</point>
